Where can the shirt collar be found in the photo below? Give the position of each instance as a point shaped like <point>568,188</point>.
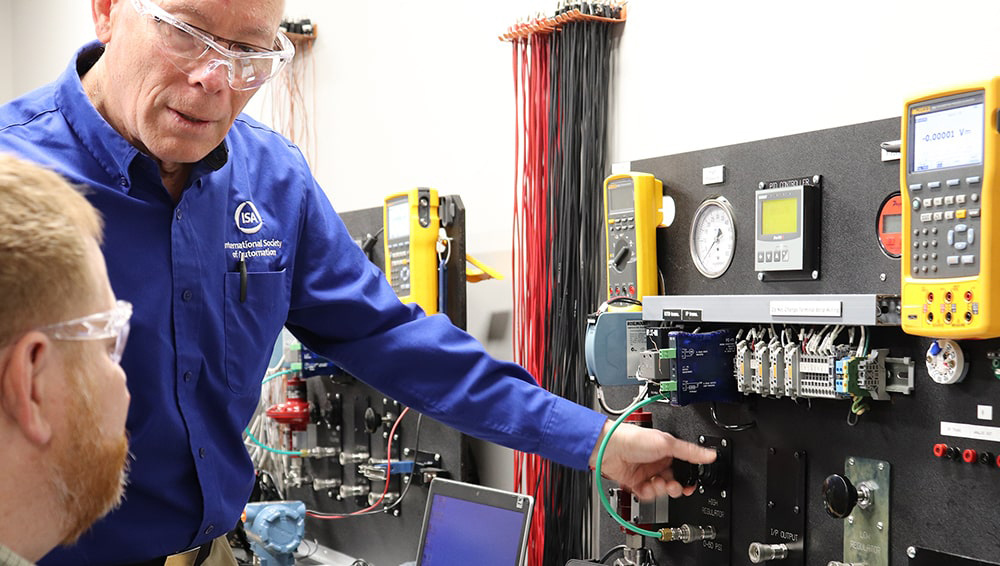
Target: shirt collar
<point>10,558</point>
<point>107,146</point>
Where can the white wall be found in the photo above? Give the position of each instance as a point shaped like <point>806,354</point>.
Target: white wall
<point>416,94</point>
<point>6,50</point>
<point>694,75</point>
<point>44,34</point>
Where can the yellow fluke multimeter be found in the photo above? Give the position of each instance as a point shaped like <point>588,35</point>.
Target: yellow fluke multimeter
<point>410,221</point>
<point>948,178</point>
<point>632,203</point>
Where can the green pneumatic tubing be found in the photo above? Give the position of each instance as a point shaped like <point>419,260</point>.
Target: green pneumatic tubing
<point>600,458</point>
<point>279,374</point>
<point>253,438</point>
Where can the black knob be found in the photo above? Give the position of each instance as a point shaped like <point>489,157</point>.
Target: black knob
<point>839,496</point>
<point>707,475</point>
<point>712,475</point>
<point>621,258</point>
<point>684,472</point>
<point>372,420</point>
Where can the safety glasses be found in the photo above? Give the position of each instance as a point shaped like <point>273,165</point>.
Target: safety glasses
<point>112,324</point>
<point>190,49</point>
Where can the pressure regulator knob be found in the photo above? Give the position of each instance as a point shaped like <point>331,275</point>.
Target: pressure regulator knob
<point>840,496</point>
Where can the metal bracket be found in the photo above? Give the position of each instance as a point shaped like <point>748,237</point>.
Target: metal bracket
<point>785,518</point>
<point>866,530</point>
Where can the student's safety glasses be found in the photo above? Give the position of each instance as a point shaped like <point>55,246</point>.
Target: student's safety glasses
<point>111,324</point>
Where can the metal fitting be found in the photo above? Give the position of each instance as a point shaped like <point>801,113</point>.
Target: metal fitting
<point>353,457</point>
<point>764,552</point>
<point>321,484</point>
<point>353,490</point>
<point>687,533</point>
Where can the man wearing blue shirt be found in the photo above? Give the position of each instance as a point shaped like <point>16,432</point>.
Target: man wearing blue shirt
<point>149,118</point>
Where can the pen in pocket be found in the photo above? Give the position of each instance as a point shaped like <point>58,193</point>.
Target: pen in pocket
<point>243,280</point>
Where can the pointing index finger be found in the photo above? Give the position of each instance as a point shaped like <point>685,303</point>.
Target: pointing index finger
<point>691,452</point>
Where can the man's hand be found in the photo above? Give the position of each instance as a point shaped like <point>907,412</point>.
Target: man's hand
<point>639,459</point>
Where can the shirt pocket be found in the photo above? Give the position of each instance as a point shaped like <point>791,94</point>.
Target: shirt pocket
<point>252,326</point>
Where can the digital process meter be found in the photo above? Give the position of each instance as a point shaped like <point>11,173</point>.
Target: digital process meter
<point>948,177</point>
<point>786,243</point>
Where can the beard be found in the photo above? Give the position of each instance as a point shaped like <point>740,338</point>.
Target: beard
<point>90,470</point>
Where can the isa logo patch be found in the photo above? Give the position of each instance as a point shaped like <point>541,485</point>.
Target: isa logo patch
<point>248,220</point>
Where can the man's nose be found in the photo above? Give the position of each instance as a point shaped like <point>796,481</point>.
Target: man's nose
<point>213,75</point>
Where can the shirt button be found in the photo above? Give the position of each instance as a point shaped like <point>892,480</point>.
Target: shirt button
<point>123,181</point>
<point>187,376</point>
<point>179,214</point>
<point>187,294</point>
<point>201,452</point>
<point>209,529</point>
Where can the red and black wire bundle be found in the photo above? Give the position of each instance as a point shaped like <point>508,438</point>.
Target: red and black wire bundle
<point>562,86</point>
<point>532,293</point>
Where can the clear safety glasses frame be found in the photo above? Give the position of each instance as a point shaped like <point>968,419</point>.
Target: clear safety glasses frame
<point>186,47</point>
<point>110,324</point>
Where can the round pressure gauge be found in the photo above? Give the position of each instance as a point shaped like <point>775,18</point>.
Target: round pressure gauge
<point>713,237</point>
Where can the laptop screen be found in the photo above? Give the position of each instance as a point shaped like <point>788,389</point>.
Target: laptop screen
<point>469,524</point>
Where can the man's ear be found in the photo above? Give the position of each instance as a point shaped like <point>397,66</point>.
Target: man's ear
<point>26,383</point>
<point>101,11</point>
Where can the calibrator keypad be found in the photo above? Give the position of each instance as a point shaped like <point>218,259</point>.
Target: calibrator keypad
<point>945,227</point>
<point>399,266</point>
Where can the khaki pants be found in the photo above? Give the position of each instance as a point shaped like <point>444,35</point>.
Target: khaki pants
<point>221,555</point>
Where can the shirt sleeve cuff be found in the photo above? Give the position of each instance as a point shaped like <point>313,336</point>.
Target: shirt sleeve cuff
<point>570,434</point>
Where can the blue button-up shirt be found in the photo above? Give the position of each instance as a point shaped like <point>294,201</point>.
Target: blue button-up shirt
<point>197,353</point>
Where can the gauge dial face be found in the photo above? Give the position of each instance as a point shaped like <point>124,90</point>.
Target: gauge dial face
<point>713,237</point>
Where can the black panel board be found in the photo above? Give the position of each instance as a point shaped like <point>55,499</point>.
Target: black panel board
<point>786,503</point>
<point>941,504</point>
<point>381,538</point>
<point>855,182</point>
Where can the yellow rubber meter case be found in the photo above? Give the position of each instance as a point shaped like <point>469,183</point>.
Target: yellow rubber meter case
<point>948,177</point>
<point>410,220</point>
<point>632,203</point>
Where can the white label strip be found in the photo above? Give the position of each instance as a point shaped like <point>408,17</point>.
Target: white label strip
<point>621,168</point>
<point>806,308</point>
<point>975,432</point>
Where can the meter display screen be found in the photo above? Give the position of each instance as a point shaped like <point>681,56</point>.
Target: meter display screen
<point>620,199</point>
<point>952,137</point>
<point>779,216</point>
<point>892,223</point>
<point>398,218</point>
